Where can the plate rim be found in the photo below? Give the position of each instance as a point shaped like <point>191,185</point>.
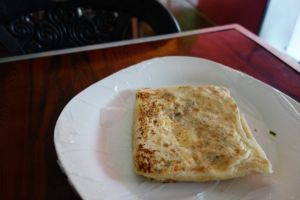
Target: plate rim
<point>132,67</point>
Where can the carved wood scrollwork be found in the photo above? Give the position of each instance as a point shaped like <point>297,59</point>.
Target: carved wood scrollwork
<point>64,27</point>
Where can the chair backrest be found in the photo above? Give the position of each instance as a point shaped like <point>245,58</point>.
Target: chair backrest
<point>77,23</point>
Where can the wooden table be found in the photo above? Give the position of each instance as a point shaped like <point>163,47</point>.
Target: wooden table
<point>35,88</point>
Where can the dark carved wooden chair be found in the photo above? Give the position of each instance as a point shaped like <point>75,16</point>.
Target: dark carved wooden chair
<point>69,24</point>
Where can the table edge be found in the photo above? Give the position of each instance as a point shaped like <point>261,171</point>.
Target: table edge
<point>283,57</point>
<point>114,44</point>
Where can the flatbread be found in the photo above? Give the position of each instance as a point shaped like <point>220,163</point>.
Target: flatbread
<point>193,133</point>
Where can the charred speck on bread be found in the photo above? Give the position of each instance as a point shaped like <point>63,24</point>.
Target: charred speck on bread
<point>272,133</point>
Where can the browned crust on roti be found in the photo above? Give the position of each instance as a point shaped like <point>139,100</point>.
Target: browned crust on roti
<point>193,133</point>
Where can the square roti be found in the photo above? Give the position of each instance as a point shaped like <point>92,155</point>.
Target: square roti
<point>193,133</point>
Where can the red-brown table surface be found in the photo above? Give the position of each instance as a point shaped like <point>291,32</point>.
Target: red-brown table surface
<point>34,92</point>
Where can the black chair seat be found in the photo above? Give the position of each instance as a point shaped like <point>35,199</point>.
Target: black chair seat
<point>77,23</point>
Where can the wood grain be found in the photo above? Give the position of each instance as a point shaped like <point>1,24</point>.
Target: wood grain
<point>34,92</point>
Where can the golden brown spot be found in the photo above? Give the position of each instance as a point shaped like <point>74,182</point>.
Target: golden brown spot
<point>145,158</point>
<point>182,137</point>
<point>233,106</point>
<point>196,109</point>
<point>223,163</point>
<point>168,96</point>
<point>237,151</point>
<point>142,95</point>
<point>200,169</point>
<point>265,162</point>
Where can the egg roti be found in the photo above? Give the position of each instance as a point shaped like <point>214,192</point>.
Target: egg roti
<point>193,133</point>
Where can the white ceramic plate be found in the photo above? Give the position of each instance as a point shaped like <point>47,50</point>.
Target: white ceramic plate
<point>93,134</point>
